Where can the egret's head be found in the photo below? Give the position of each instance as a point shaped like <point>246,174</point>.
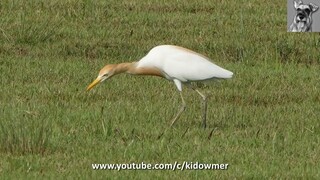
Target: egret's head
<point>105,73</point>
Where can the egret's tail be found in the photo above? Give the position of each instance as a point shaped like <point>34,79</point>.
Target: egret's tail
<point>228,74</point>
<point>224,74</point>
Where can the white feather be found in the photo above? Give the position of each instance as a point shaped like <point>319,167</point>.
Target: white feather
<point>182,64</point>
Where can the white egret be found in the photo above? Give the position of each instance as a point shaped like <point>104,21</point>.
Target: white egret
<point>177,64</point>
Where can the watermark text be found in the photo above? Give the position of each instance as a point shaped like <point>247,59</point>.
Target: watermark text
<point>161,166</point>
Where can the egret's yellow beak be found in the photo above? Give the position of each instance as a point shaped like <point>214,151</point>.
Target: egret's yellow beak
<point>95,82</point>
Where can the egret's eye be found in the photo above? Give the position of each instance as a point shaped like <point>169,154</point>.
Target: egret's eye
<point>105,75</point>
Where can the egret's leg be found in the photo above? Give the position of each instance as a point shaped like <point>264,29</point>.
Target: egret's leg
<point>204,113</point>
<point>182,108</point>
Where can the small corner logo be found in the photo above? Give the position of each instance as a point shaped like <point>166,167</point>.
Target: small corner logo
<point>302,16</point>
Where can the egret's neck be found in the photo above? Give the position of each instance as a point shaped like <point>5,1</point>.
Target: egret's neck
<point>123,67</point>
<point>132,68</point>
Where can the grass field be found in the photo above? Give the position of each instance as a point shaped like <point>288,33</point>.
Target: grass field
<point>264,122</point>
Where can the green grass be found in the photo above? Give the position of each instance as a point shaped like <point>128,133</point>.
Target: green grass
<point>264,122</point>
